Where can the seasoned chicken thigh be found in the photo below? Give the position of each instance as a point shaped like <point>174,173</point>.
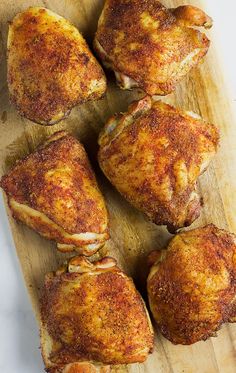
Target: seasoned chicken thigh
<point>148,45</point>
<point>92,316</point>
<point>153,155</point>
<point>50,67</point>
<point>192,285</point>
<point>54,191</point>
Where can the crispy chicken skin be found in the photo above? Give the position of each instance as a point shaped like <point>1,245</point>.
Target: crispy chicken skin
<point>50,67</point>
<point>192,285</point>
<point>54,191</point>
<point>91,314</point>
<point>148,45</point>
<point>153,155</point>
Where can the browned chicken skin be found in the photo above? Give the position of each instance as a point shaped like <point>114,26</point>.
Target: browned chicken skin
<point>153,155</point>
<point>192,285</point>
<point>148,45</point>
<point>50,67</point>
<point>92,316</point>
<point>54,191</point>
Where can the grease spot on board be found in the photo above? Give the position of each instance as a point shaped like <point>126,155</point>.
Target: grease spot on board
<point>45,3</point>
<point>16,150</point>
<point>4,116</point>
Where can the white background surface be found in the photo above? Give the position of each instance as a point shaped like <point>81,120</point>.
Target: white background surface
<point>19,341</point>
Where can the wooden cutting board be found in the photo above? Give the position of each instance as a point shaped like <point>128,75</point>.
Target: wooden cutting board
<point>132,236</point>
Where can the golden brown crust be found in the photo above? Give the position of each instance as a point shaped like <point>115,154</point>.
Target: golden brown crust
<point>95,316</point>
<point>153,154</point>
<point>192,286</point>
<point>80,368</point>
<point>144,41</point>
<point>57,181</point>
<point>189,15</point>
<point>50,67</point>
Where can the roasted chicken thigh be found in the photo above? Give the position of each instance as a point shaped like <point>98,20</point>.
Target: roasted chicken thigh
<point>50,67</point>
<point>153,155</point>
<point>92,316</point>
<point>148,45</point>
<point>192,284</point>
<point>54,191</point>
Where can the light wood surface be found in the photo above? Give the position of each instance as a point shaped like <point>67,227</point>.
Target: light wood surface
<point>132,236</point>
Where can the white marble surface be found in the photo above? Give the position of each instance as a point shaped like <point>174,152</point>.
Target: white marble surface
<point>19,341</point>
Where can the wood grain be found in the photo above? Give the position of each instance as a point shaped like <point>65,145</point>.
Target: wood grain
<point>132,236</point>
